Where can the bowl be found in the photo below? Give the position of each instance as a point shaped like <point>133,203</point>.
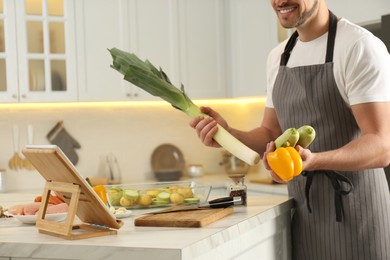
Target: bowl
<point>158,194</point>
<point>195,170</point>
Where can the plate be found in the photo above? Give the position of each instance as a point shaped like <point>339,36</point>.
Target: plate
<point>123,215</point>
<point>31,219</point>
<point>167,157</point>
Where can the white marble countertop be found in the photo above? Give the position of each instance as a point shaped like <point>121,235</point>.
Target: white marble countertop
<point>254,182</point>
<point>131,242</point>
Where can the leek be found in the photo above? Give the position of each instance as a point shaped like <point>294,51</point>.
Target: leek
<point>146,76</point>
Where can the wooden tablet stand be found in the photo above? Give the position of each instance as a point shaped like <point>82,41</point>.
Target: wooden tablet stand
<point>62,177</point>
<point>67,230</point>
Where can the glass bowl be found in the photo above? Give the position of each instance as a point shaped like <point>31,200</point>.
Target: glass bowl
<point>158,194</point>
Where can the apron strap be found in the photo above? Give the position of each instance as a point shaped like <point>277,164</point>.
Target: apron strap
<point>336,179</point>
<point>287,50</point>
<point>330,44</point>
<point>331,37</point>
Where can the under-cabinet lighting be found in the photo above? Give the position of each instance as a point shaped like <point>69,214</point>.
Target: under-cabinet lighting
<point>105,104</point>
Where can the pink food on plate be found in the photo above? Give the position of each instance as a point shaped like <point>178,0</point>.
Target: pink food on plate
<point>33,208</point>
<point>59,208</point>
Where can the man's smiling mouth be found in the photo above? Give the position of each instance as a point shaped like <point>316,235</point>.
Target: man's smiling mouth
<point>286,10</point>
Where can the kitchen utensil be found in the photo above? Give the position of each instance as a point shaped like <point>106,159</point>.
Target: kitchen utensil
<point>193,218</point>
<point>30,136</point>
<point>59,136</point>
<point>2,181</point>
<point>113,172</point>
<point>16,162</point>
<point>167,162</point>
<point>217,203</point>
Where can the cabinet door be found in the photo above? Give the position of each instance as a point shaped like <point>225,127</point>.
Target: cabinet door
<point>100,25</point>
<point>153,35</point>
<point>146,28</point>
<point>185,38</point>
<point>203,47</point>
<point>39,51</point>
<point>253,33</point>
<point>46,50</point>
<point>9,91</point>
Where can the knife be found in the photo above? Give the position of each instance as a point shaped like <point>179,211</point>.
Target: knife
<point>216,203</point>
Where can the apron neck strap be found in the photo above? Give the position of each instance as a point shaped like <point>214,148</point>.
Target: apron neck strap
<point>331,37</point>
<point>330,44</point>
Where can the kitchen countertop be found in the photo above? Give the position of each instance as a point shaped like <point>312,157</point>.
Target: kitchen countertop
<point>247,228</point>
<point>256,183</point>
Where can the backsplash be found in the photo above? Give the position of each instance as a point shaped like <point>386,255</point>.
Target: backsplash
<point>129,130</point>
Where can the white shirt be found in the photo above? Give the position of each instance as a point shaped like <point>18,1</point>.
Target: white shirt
<point>361,63</point>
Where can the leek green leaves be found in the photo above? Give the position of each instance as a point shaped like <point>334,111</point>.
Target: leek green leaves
<point>154,81</point>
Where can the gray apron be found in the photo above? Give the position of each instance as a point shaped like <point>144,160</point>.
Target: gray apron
<point>338,215</point>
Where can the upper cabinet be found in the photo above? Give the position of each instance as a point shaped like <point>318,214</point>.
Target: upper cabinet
<point>37,51</point>
<point>185,38</point>
<point>56,50</point>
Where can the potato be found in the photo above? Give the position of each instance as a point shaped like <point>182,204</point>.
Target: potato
<point>177,198</point>
<point>145,200</point>
<point>153,193</point>
<point>186,192</point>
<point>126,202</point>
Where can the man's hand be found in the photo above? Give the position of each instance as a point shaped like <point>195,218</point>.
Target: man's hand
<point>271,148</point>
<point>206,126</point>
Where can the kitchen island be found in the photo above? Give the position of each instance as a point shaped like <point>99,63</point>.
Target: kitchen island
<point>259,231</point>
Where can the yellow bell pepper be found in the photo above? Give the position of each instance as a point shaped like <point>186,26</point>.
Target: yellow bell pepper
<point>285,162</point>
<point>296,157</point>
<point>101,192</point>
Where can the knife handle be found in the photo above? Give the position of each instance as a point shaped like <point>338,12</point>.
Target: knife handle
<point>222,202</point>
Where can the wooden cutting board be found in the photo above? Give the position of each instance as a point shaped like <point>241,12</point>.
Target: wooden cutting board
<point>194,218</point>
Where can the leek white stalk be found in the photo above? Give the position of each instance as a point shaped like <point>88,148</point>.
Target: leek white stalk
<point>147,77</point>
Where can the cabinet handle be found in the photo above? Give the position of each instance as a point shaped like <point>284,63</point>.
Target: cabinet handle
<point>128,95</point>
<point>24,96</point>
<point>135,94</point>
<point>14,96</point>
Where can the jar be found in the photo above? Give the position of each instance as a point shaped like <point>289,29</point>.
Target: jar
<point>238,188</point>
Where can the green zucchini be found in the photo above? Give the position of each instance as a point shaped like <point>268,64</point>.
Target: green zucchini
<point>307,134</point>
<point>289,138</point>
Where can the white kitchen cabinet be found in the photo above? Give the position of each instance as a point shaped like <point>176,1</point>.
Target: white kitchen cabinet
<point>100,24</point>
<point>185,38</point>
<point>253,34</point>
<point>37,52</point>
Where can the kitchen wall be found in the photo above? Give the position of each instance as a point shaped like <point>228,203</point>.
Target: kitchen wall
<point>129,130</point>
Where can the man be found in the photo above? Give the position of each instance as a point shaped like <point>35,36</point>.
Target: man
<point>334,76</point>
